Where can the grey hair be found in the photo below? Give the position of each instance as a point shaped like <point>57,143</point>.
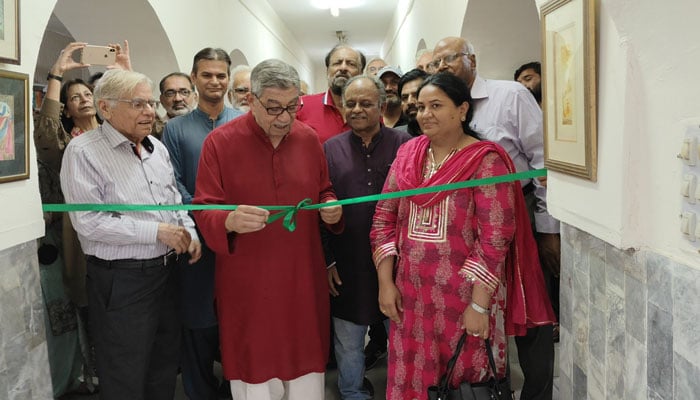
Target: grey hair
<point>236,70</point>
<point>117,83</point>
<point>273,73</point>
<point>381,91</point>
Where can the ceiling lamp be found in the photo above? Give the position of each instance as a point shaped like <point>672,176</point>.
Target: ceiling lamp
<point>335,5</point>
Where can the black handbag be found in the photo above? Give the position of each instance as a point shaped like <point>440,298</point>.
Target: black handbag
<point>490,390</point>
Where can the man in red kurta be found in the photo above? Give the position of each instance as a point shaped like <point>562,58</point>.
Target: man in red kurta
<point>271,290</point>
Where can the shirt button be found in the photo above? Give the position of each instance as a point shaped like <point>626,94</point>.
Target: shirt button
<point>368,156</point>
<point>369,169</point>
<point>369,183</point>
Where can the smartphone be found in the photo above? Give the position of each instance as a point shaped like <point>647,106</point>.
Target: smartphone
<point>98,55</point>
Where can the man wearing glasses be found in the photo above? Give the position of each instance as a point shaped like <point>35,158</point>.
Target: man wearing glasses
<point>506,113</point>
<point>131,256</point>
<point>271,291</point>
<point>240,87</point>
<point>177,96</point>
<point>183,136</point>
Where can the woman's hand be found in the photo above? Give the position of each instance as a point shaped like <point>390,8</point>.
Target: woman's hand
<point>390,303</point>
<point>123,60</point>
<point>475,323</point>
<point>65,61</point>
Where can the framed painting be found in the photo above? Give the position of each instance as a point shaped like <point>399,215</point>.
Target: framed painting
<point>9,31</point>
<point>569,87</point>
<point>14,125</point>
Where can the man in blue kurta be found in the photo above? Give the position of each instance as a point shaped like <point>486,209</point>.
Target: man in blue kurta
<point>183,136</point>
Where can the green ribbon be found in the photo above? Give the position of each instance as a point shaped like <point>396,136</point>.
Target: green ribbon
<point>289,213</point>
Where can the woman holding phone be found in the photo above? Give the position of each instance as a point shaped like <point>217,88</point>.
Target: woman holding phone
<point>66,112</point>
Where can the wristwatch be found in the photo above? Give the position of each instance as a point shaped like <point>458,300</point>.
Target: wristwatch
<point>52,76</point>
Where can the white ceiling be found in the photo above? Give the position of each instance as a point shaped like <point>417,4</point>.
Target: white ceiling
<point>365,26</point>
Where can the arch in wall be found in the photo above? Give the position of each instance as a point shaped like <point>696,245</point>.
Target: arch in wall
<point>499,52</point>
<point>238,58</point>
<point>149,46</point>
<point>420,47</point>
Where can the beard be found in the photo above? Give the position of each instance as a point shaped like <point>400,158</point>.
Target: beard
<point>393,101</point>
<point>412,127</point>
<point>338,84</point>
<point>537,92</point>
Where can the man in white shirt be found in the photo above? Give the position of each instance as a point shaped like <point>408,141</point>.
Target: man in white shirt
<point>131,255</point>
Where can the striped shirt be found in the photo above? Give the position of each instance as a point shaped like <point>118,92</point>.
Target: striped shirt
<point>101,167</point>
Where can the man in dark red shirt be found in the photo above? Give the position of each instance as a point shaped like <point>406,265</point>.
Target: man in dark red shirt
<point>323,111</point>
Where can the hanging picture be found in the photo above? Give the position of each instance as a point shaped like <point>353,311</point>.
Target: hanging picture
<point>569,87</point>
<point>14,123</point>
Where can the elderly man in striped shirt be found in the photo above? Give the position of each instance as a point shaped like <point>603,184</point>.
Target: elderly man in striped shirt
<point>132,287</point>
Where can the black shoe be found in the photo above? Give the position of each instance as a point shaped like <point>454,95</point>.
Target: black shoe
<point>367,385</point>
<point>372,355</point>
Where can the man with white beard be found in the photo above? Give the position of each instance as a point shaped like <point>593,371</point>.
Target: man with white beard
<point>324,111</point>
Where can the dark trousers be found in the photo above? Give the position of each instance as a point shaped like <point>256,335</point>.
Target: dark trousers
<point>200,348</point>
<point>536,356</point>
<point>136,326</point>
<point>377,335</point>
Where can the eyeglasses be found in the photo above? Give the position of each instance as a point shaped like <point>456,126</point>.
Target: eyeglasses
<point>139,104</point>
<point>293,109</point>
<point>241,90</point>
<point>182,92</point>
<point>435,64</point>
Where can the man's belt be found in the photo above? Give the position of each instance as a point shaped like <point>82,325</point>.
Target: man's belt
<point>169,259</point>
<point>529,188</point>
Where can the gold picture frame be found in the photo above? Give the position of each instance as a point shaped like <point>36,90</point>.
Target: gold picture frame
<point>9,32</point>
<point>569,87</point>
<point>14,126</point>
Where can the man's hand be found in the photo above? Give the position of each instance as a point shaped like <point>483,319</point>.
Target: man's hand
<point>549,248</point>
<point>333,280</point>
<point>331,215</point>
<point>195,251</point>
<point>245,219</point>
<point>176,237</point>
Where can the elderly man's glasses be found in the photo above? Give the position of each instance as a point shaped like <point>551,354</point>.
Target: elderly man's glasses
<point>277,110</point>
<point>182,92</point>
<point>241,90</point>
<point>435,64</point>
<point>139,104</point>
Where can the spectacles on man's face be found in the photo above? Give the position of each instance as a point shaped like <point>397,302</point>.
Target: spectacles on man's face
<point>139,104</point>
<point>172,92</point>
<point>435,64</point>
<point>277,110</point>
<point>241,90</point>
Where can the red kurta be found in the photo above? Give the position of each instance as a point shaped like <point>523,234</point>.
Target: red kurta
<point>271,289</point>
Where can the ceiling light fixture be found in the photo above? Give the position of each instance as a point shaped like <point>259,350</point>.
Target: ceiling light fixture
<point>335,5</point>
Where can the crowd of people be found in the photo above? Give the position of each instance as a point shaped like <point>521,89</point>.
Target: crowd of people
<point>144,295</point>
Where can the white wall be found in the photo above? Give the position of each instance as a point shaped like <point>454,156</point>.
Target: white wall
<point>647,74</point>
<point>162,38</point>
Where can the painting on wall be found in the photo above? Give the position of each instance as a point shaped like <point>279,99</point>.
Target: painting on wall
<point>9,31</point>
<point>569,87</point>
<point>14,123</point>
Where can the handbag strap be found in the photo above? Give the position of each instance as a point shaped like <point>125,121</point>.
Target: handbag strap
<point>447,377</point>
<point>492,362</point>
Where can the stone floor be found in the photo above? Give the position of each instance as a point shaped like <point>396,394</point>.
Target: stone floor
<point>377,376</point>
